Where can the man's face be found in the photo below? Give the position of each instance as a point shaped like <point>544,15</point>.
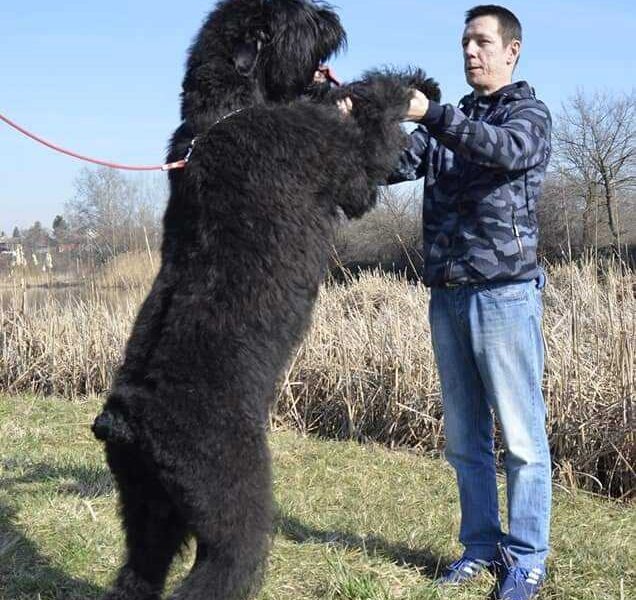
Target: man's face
<point>488,64</point>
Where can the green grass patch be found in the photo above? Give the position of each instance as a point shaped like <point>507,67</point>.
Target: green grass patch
<point>354,522</point>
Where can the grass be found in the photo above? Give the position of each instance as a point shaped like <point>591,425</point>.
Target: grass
<point>355,522</point>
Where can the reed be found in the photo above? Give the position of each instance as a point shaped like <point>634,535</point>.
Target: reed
<point>366,369</point>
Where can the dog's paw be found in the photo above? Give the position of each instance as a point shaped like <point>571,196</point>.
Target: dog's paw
<point>388,83</point>
<point>118,594</point>
<point>129,586</point>
<point>416,78</point>
<point>430,88</point>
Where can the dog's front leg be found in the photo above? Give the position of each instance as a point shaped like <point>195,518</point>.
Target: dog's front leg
<point>355,193</point>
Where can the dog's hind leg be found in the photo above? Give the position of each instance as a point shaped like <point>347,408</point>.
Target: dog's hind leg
<point>229,568</point>
<point>232,520</point>
<point>154,527</point>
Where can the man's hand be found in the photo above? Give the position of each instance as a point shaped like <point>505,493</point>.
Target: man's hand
<point>319,76</point>
<point>345,106</point>
<point>418,106</point>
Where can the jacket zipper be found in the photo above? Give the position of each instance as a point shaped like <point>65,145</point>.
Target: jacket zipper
<point>449,268</point>
<point>515,229</point>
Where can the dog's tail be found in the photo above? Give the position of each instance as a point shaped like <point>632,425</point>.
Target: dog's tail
<point>111,426</point>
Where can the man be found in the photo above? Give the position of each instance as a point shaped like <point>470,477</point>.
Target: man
<point>483,167</point>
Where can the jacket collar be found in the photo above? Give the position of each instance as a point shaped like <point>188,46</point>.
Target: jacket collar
<point>519,90</point>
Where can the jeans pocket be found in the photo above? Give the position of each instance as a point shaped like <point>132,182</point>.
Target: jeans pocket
<point>538,295</point>
<point>505,292</point>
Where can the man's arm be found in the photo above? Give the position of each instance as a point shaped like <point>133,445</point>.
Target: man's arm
<point>520,143</point>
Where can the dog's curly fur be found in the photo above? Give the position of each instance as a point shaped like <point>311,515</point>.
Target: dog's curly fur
<point>247,234</point>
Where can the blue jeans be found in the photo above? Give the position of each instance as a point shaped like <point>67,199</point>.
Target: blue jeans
<point>489,352</point>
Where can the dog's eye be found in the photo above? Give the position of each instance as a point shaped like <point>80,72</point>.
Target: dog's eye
<point>257,37</point>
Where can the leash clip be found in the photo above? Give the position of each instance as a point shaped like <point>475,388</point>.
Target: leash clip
<point>181,164</point>
<point>190,149</point>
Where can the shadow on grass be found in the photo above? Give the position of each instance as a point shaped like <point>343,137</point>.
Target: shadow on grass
<point>79,480</point>
<point>25,573</point>
<point>425,561</point>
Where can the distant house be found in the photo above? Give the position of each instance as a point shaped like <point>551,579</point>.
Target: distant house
<point>9,245</point>
<point>41,250</point>
<point>9,251</point>
<point>71,243</point>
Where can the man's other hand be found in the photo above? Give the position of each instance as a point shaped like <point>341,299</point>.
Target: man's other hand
<point>345,106</point>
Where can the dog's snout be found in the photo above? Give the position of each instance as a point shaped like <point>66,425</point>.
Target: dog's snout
<point>245,57</point>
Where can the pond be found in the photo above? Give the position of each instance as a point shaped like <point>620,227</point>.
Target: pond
<point>34,298</point>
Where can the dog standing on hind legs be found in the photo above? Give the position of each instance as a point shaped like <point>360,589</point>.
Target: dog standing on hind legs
<point>247,234</point>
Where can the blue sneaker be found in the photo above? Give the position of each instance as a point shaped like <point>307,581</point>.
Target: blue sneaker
<point>463,570</point>
<point>517,583</point>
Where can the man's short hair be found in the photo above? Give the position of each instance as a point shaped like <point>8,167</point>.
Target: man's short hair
<point>509,25</point>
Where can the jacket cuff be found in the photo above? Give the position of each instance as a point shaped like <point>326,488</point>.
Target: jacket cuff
<point>434,115</point>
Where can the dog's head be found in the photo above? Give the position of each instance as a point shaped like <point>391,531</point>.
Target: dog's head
<point>300,35</point>
<point>269,49</point>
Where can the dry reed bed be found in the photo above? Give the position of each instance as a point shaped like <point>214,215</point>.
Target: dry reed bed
<point>366,369</point>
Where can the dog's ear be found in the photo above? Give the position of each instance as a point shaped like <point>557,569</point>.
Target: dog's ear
<point>332,37</point>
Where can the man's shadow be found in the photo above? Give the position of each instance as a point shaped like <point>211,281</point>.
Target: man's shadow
<point>426,562</point>
<point>24,571</point>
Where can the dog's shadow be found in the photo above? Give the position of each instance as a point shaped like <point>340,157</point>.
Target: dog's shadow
<point>21,555</point>
<point>24,571</point>
<point>424,560</point>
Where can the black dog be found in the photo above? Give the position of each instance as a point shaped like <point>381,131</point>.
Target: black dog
<point>247,235</point>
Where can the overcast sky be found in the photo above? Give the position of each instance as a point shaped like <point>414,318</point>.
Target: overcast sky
<point>103,78</point>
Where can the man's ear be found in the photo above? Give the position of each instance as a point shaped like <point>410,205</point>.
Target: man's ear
<point>514,50</point>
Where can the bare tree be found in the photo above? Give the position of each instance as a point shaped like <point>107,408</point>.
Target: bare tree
<point>385,234</point>
<point>560,219</point>
<point>115,213</point>
<point>595,147</point>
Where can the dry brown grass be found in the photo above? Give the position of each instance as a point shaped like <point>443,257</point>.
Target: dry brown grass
<point>366,369</point>
<point>129,270</point>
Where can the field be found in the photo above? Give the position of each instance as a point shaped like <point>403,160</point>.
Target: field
<point>355,522</point>
<point>366,370</point>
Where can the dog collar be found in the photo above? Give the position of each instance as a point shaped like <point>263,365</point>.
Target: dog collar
<point>184,161</point>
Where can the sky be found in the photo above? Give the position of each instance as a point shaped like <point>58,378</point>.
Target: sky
<point>103,78</point>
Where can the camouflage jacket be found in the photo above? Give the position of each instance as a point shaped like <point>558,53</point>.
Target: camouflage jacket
<point>483,166</point>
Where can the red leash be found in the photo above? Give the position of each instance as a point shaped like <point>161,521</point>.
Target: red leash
<point>168,167</point>
<point>180,164</point>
